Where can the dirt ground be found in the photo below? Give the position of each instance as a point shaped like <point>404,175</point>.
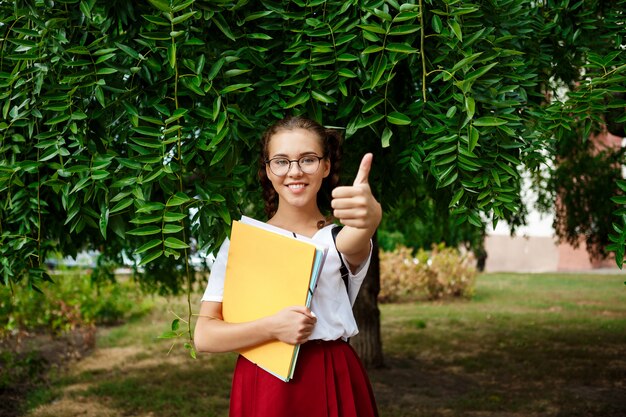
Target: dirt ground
<point>404,387</point>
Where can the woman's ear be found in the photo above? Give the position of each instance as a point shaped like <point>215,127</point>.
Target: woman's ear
<point>326,167</point>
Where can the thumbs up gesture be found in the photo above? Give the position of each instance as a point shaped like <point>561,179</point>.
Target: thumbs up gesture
<point>354,205</point>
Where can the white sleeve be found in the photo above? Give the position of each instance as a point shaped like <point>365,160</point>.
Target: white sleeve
<point>215,289</point>
<point>356,279</point>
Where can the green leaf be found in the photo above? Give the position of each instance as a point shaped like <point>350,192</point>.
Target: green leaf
<point>157,20</point>
<point>170,334</point>
<point>234,87</point>
<point>489,121</point>
<point>296,60</point>
<point>221,152</point>
<point>456,29</point>
<point>175,324</point>
<point>173,217</point>
<point>147,246</point>
<point>348,57</point>
<point>369,120</point>
<point>465,61</point>
<point>183,17</point>
<point>344,39</point>
<point>479,72</point>
<point>223,26</point>
<point>104,221</point>
<point>235,72</point>
<point>57,119</point>
<point>398,118</point>
<point>103,58</point>
<point>100,95</point>
<point>379,67</point>
<point>408,7</point>
<point>387,133</point>
<point>215,68</point>
<point>257,15</point>
<point>147,218</point>
<point>382,14</point>
<point>106,71</point>
<point>222,210</point>
<point>372,49</point>
<point>178,113</point>
<point>475,219</point>
<point>144,231</point>
<point>404,16</point>
<point>295,79</point>
<point>171,54</point>
<point>473,138</point>
<point>451,112</point>
<point>162,5</point>
<point>470,106</point>
<point>148,131</point>
<point>190,348</point>
<point>172,228</point>
<point>437,24</point>
<point>150,207</point>
<point>177,199</point>
<point>345,72</point>
<point>371,104</point>
<point>456,197</point>
<point>507,168</point>
<point>49,154</point>
<point>151,257</point>
<point>401,48</point>
<point>172,242</point>
<point>301,98</point>
<point>496,177</point>
<point>452,178</point>
<point>403,30</point>
<point>373,28</point>
<point>324,98</point>
<point>261,36</point>
<point>122,205</point>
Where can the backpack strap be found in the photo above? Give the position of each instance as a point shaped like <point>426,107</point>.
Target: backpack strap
<point>343,269</point>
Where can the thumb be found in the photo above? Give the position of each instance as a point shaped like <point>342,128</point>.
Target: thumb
<point>303,310</point>
<point>364,169</point>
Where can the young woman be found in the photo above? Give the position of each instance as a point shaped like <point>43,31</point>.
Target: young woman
<point>299,174</point>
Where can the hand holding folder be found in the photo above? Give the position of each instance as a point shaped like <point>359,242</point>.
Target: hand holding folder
<point>268,270</point>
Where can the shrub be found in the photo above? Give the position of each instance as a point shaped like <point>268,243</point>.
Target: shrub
<point>452,274</point>
<point>73,300</point>
<point>442,272</point>
<point>400,277</point>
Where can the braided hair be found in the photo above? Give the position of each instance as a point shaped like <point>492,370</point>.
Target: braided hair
<point>331,144</point>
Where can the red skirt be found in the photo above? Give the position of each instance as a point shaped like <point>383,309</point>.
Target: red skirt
<point>329,381</point>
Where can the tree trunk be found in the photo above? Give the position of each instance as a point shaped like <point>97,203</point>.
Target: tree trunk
<point>368,343</point>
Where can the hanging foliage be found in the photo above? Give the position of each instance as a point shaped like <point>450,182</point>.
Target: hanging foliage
<point>132,127</point>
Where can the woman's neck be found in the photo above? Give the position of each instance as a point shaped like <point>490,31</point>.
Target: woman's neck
<point>298,219</point>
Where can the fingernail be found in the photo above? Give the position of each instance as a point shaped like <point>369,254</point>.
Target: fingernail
<point>313,314</point>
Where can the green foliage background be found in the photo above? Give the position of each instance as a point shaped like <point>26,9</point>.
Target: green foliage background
<point>118,118</point>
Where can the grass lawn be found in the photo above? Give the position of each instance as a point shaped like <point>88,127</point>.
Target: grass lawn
<point>525,345</point>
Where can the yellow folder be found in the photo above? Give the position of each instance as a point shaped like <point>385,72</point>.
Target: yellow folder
<point>266,272</point>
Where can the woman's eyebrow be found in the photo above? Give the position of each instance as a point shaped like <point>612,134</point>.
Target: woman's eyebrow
<point>283,155</point>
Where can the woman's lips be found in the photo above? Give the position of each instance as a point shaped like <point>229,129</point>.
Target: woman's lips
<point>296,187</point>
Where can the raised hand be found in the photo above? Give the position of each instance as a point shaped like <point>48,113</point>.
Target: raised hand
<point>354,205</point>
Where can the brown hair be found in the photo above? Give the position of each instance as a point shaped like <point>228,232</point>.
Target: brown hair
<point>331,144</point>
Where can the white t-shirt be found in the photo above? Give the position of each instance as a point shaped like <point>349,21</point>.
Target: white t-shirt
<point>330,301</point>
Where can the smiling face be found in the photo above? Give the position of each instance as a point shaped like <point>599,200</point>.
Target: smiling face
<point>297,188</point>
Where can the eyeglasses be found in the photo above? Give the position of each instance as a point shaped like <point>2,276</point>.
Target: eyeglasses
<point>307,164</point>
